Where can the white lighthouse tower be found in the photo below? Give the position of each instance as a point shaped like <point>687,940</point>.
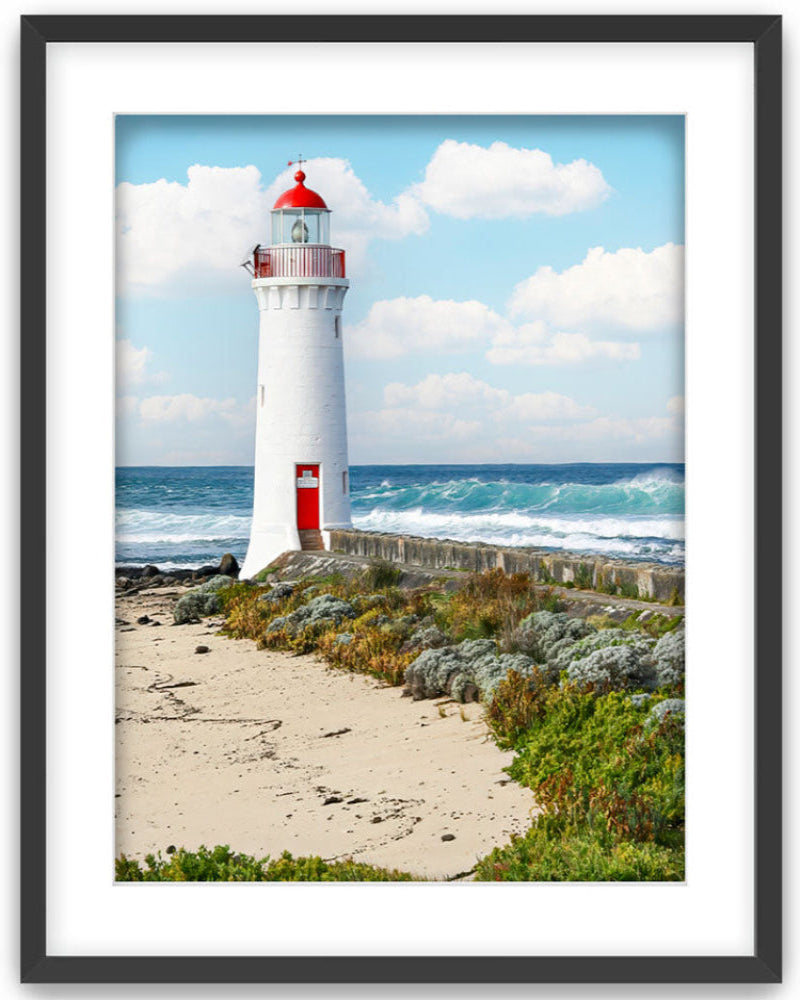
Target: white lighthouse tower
<point>302,487</point>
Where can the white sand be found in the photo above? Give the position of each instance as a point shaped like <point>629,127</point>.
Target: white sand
<point>233,747</point>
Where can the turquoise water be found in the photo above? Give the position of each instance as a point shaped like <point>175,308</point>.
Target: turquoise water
<point>190,515</point>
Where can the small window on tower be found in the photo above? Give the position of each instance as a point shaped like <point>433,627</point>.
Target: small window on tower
<point>261,394</point>
<point>337,325</point>
<point>344,482</point>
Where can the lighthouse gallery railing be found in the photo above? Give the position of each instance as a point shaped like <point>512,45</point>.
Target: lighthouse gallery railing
<point>315,261</point>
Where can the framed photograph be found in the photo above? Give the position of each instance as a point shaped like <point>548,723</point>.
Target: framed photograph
<point>511,414</point>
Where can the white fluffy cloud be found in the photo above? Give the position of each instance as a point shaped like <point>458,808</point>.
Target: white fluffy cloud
<point>131,363</point>
<point>411,427</point>
<point>197,232</point>
<point>186,407</point>
<point>462,395</point>
<point>357,217</point>
<point>459,418</point>
<point>469,182</point>
<point>630,290</point>
<point>175,237</point>
<point>394,327</point>
<point>439,392</point>
<point>535,344</point>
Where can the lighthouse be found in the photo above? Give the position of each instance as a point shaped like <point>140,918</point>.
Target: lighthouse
<point>301,489</point>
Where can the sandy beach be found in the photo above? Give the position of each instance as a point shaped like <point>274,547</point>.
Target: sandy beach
<point>268,752</point>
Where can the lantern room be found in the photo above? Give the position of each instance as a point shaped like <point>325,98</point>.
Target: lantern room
<point>300,245</point>
<point>300,216</point>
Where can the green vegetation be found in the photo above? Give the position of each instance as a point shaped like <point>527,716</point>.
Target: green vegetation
<point>221,865</point>
<point>592,709</point>
<point>382,574</point>
<point>262,574</point>
<point>380,633</point>
<point>583,577</point>
<point>608,774</point>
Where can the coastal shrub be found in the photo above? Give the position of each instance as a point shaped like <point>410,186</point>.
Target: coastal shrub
<point>675,708</point>
<point>607,772</point>
<point>616,668</point>
<point>653,623</point>
<point>594,760</point>
<point>323,609</point>
<point>370,650</point>
<point>426,637</point>
<point>548,853</point>
<point>220,864</point>
<point>488,604</point>
<point>516,702</point>
<point>470,670</point>
<point>279,592</point>
<point>201,601</point>
<point>543,633</point>
<point>612,656</point>
<point>583,577</point>
<point>382,574</point>
<point>669,654</point>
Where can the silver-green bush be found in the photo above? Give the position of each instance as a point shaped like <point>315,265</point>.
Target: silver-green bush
<point>670,653</point>
<point>201,601</point>
<point>467,671</point>
<point>323,609</point>
<point>543,633</point>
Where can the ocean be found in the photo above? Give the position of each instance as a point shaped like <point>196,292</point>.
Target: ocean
<point>190,516</point>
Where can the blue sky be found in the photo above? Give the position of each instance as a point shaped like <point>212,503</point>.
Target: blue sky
<point>516,283</point>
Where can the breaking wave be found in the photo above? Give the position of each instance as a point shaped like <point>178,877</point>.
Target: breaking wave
<point>184,517</point>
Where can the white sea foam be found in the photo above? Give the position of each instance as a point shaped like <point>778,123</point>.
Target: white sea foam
<point>647,538</point>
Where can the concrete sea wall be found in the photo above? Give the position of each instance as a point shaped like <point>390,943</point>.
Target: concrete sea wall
<point>631,579</point>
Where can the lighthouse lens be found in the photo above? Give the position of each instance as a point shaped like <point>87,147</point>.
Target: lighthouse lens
<point>299,232</point>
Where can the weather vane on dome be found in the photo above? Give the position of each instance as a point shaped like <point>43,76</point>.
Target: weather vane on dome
<point>299,161</point>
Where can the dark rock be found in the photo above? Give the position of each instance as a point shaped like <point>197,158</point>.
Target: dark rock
<point>123,582</point>
<point>155,581</point>
<point>228,566</point>
<point>470,693</point>
<point>143,620</point>
<point>376,819</point>
<point>204,571</point>
<point>169,580</point>
<point>171,849</point>
<point>182,574</point>
<point>121,621</point>
<point>151,571</point>
<point>331,800</point>
<point>131,572</point>
<point>201,649</point>
<point>448,836</point>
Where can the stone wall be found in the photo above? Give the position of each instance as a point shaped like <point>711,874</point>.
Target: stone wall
<point>630,579</point>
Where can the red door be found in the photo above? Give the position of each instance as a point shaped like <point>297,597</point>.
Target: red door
<point>307,496</point>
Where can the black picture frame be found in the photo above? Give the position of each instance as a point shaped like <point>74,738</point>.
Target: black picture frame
<point>764,965</point>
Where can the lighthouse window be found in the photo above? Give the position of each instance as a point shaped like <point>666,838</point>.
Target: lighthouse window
<point>344,482</point>
<point>261,394</point>
<point>337,325</point>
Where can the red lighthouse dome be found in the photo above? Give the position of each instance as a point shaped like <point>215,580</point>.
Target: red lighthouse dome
<point>300,196</point>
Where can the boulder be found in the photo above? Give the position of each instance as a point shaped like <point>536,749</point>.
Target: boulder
<point>228,566</point>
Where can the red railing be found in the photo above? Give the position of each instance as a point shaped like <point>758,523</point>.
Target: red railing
<point>298,262</point>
